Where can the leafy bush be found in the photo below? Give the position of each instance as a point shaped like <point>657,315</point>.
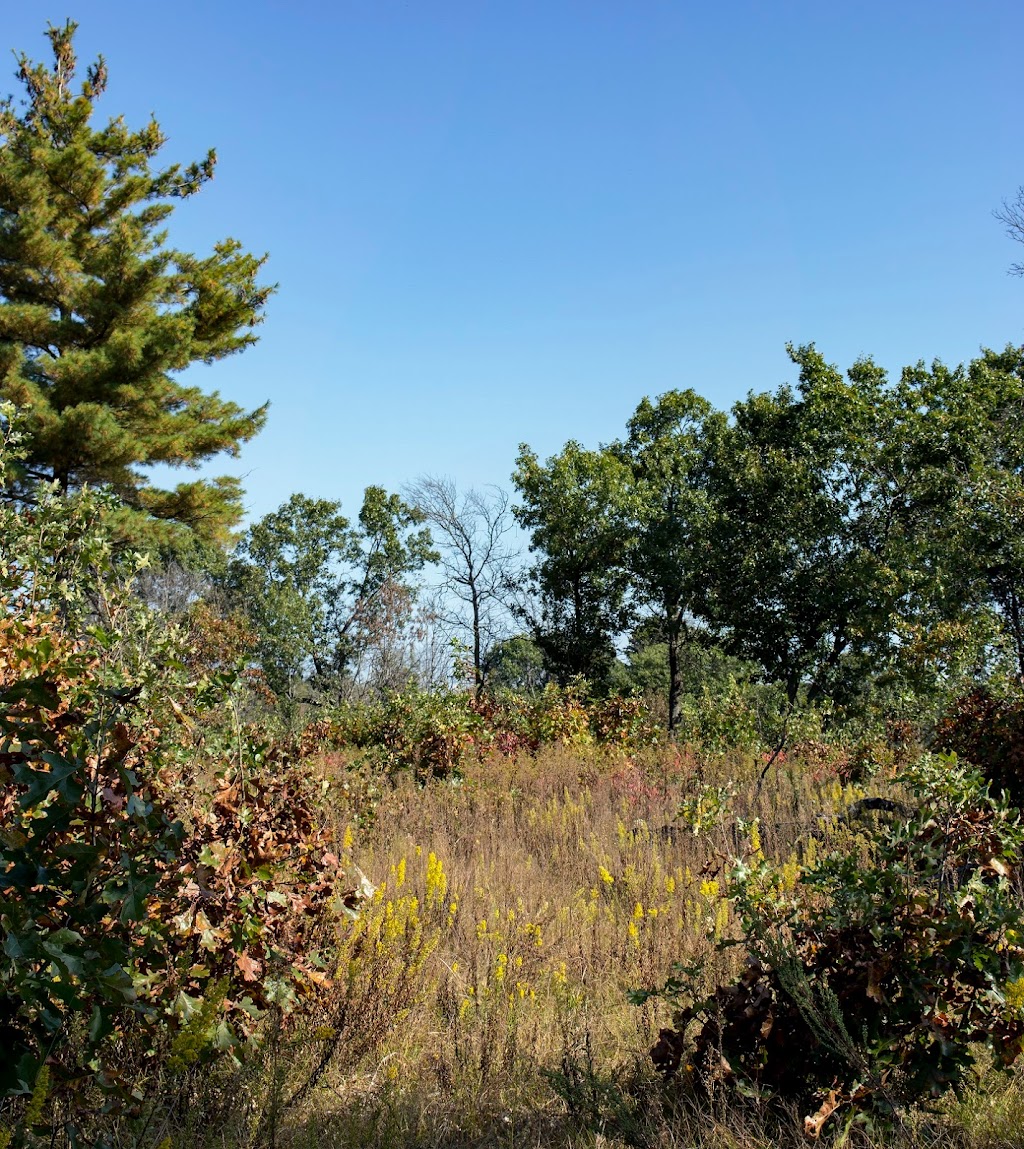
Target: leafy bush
<point>431,732</point>
<point>144,917</point>
<point>874,973</point>
<point>161,886</point>
<point>425,732</point>
<point>84,844</point>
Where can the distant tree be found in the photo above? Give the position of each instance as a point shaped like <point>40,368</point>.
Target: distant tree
<point>855,538</point>
<point>667,452</point>
<point>98,315</point>
<point>471,533</point>
<point>323,593</point>
<point>576,509</point>
<point>516,664</point>
<point>649,671</point>
<point>703,667</point>
<point>972,445</point>
<point>817,548</point>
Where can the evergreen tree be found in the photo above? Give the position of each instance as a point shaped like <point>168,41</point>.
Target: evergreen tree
<point>98,316</point>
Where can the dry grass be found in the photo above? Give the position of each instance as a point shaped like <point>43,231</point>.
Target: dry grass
<point>481,999</point>
<point>516,909</point>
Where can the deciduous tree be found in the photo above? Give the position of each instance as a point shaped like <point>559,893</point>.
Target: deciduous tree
<point>516,664</point>
<point>322,592</point>
<point>815,552</point>
<point>972,447</point>
<point>667,452</point>
<point>471,532</point>
<point>1011,214</point>
<point>576,508</point>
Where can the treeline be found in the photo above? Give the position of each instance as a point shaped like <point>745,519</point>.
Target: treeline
<point>848,536</point>
<point>854,539</point>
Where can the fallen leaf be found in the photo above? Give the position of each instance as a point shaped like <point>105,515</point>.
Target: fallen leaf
<point>813,1124</point>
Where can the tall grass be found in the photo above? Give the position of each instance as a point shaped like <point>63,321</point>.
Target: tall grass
<point>481,997</point>
<point>516,908</point>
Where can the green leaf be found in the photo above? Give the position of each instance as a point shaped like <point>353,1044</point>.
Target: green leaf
<point>55,945</point>
<point>131,890</point>
<point>61,777</point>
<point>100,1024</point>
<point>38,691</point>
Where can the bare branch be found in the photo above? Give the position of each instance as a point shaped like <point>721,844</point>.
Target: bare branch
<point>1012,216</point>
<point>471,532</point>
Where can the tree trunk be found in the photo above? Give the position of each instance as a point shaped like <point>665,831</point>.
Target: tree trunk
<point>673,633</point>
<point>1011,607</point>
<point>478,673</point>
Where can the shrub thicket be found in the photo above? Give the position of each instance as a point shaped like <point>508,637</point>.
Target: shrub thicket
<point>875,972</point>
<point>986,728</point>
<point>164,886</point>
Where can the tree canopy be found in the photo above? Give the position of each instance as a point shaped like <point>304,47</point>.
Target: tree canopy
<point>667,450</point>
<point>574,505</point>
<point>323,593</point>
<point>844,533</point>
<point>99,315</point>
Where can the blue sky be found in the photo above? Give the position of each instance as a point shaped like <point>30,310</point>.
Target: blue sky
<point>504,222</point>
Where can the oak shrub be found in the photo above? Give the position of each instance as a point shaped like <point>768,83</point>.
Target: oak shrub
<point>876,973</point>
<point>167,878</point>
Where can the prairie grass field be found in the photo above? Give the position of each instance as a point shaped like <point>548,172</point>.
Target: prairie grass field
<point>481,997</point>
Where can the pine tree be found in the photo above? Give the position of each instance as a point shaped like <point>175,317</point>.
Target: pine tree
<point>98,316</point>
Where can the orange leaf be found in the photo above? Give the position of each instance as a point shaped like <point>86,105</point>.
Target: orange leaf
<point>249,969</point>
<point>813,1124</point>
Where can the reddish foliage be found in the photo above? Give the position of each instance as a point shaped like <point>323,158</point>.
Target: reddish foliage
<point>255,878</point>
<point>988,732</point>
<point>124,883</point>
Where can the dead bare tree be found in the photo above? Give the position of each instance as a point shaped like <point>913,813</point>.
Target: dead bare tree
<point>1012,216</point>
<point>471,532</point>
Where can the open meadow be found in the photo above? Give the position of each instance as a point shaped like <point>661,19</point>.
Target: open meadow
<point>482,995</point>
<point>667,799</point>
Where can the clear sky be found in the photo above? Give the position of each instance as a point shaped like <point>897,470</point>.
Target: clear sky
<point>504,222</point>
